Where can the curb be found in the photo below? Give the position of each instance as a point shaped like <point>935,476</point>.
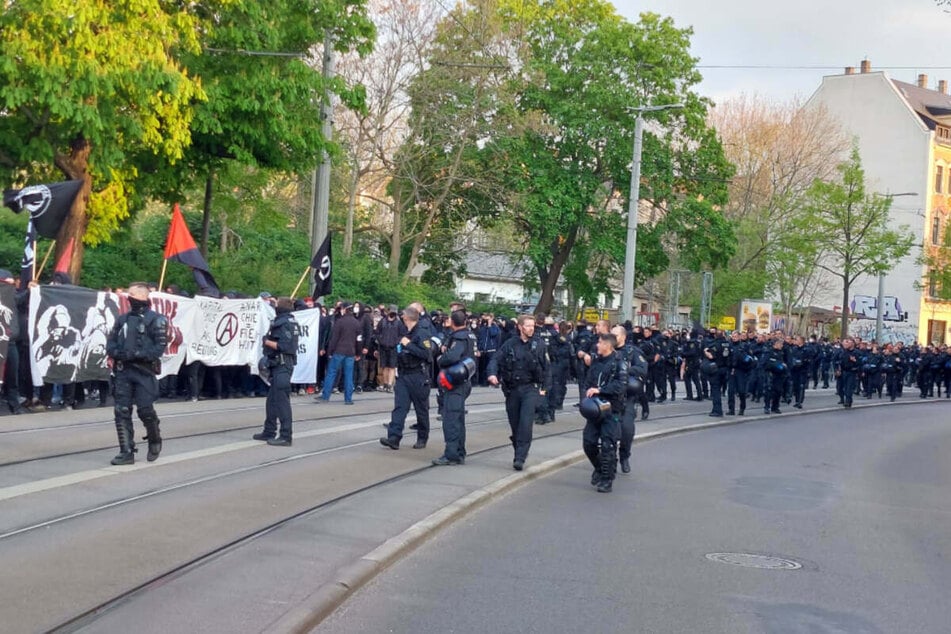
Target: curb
<point>310,612</point>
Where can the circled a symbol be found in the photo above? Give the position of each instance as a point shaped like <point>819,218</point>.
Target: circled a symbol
<point>227,329</point>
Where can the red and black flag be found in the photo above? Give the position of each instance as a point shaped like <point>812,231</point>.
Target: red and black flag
<point>323,270</point>
<point>48,204</point>
<point>181,247</point>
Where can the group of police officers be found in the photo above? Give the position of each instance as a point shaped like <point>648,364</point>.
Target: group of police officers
<point>619,371</point>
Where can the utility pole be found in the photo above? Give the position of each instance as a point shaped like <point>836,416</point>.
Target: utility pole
<point>880,304</point>
<point>319,219</point>
<point>627,293</point>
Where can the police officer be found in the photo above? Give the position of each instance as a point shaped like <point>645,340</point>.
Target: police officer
<point>690,367</point>
<point>280,356</point>
<point>522,368</point>
<point>848,366</point>
<point>741,361</point>
<point>717,350</point>
<point>607,380</point>
<point>775,371</point>
<point>637,368</point>
<point>414,355</point>
<point>460,345</point>
<point>135,346</point>
<point>561,354</point>
<point>544,332</point>
<point>799,368</point>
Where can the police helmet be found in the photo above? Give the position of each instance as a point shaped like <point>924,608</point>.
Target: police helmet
<point>593,408</point>
<point>457,373</point>
<point>635,386</point>
<point>709,367</point>
<point>264,371</point>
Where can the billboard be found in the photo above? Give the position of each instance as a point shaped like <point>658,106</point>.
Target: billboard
<point>756,315</point>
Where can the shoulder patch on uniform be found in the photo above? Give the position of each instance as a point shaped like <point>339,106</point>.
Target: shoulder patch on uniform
<point>427,343</point>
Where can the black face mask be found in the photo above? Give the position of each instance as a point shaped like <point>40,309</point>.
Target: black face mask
<point>138,306</point>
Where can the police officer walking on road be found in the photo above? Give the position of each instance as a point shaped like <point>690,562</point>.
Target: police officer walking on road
<point>607,380</point>
<point>280,357</point>
<point>457,359</point>
<point>522,368</point>
<point>414,355</point>
<point>135,346</point>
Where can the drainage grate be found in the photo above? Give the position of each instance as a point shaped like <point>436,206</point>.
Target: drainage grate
<point>750,560</point>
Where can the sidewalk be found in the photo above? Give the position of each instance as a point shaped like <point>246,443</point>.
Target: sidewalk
<point>296,575</point>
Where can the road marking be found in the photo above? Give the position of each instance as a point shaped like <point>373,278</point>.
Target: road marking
<point>38,486</point>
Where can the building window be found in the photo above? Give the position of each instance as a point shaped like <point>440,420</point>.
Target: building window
<point>932,285</point>
<point>936,332</point>
<point>935,230</point>
<point>938,178</point>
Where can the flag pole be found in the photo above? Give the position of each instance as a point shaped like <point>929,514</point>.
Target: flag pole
<point>299,282</point>
<point>162,276</point>
<point>36,273</point>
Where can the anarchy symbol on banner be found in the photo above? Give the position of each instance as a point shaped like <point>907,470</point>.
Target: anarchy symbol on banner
<point>324,271</point>
<point>227,329</point>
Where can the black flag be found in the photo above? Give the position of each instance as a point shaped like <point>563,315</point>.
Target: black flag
<point>48,204</point>
<point>323,269</point>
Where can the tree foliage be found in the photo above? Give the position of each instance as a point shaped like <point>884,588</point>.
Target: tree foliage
<point>566,164</point>
<point>845,229</point>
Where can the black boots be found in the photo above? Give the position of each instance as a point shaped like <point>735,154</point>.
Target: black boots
<point>126,445</point>
<point>154,438</point>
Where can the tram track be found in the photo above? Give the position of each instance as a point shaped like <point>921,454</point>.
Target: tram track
<point>90,616</point>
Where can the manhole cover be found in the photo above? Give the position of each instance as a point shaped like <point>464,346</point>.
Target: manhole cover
<point>748,560</point>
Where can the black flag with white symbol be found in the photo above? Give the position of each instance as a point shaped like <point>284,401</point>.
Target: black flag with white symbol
<point>323,270</point>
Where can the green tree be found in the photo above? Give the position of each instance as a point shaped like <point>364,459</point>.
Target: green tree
<point>263,84</point>
<point>845,230</point>
<point>566,164</point>
<point>86,85</point>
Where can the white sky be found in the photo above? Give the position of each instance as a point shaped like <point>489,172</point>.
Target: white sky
<point>912,34</point>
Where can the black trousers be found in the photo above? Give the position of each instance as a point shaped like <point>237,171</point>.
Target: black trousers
<point>520,403</point>
<point>599,441</point>
<point>277,407</point>
<point>454,421</point>
<point>136,387</point>
<point>628,427</point>
<point>692,380</point>
<point>410,389</point>
<point>739,383</point>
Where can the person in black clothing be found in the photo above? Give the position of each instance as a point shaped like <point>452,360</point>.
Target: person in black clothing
<point>847,369</point>
<point>388,334</point>
<point>11,367</point>
<point>135,346</point>
<point>893,368</point>
<point>606,379</point>
<point>637,367</point>
<point>280,357</point>
<point>690,366</point>
<point>460,345</point>
<point>414,355</point>
<point>717,350</point>
<point>775,370</point>
<point>521,367</point>
<point>561,353</point>
<point>799,364</point>
<point>741,362</point>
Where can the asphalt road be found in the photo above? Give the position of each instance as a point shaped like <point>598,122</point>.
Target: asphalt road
<point>831,522</point>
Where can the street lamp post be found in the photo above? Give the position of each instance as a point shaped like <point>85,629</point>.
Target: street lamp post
<point>627,292</point>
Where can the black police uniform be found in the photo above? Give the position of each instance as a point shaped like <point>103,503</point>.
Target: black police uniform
<point>600,437</point>
<point>461,345</point>
<point>741,362</point>
<point>413,382</point>
<point>637,367</point>
<point>544,412</point>
<point>524,370</point>
<point>773,364</point>
<point>561,353</point>
<point>719,350</point>
<point>691,356</point>
<point>848,366</point>
<point>280,362</point>
<point>136,345</point>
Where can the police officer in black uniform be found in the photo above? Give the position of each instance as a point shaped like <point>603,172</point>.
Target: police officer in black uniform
<point>607,380</point>
<point>280,357</point>
<point>521,366</point>
<point>690,367</point>
<point>414,355</point>
<point>636,368</point>
<point>460,345</point>
<point>135,346</point>
<point>717,350</point>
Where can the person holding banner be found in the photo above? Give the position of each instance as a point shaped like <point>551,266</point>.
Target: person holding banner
<point>280,355</point>
<point>135,348</point>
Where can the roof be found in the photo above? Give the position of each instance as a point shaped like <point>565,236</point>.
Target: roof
<point>932,106</point>
<point>493,265</point>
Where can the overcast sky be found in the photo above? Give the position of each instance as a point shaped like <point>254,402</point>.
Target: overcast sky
<point>912,34</point>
